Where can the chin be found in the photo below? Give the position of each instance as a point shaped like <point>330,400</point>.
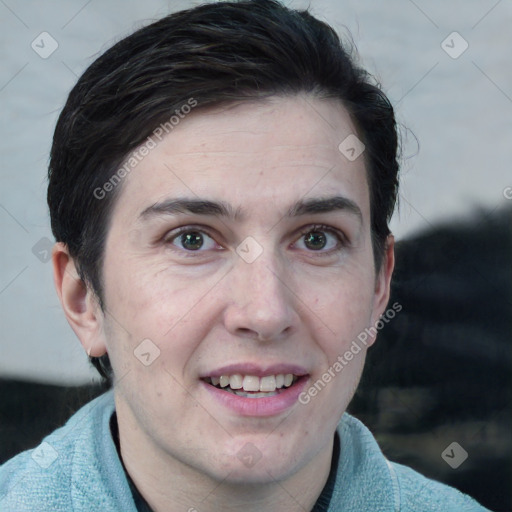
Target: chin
<point>262,473</point>
<point>248,465</point>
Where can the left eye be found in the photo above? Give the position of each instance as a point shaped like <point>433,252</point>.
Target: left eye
<point>316,239</point>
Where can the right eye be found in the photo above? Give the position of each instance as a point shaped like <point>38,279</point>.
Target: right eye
<point>190,239</point>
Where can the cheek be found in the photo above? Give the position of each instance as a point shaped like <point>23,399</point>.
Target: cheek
<point>152,307</point>
<point>148,302</point>
<point>344,303</point>
<point>148,297</point>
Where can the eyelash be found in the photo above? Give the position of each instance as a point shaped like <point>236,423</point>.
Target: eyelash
<point>342,240</point>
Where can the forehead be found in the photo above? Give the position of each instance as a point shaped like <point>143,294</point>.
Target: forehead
<point>252,155</point>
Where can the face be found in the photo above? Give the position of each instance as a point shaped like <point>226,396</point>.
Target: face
<point>269,289</point>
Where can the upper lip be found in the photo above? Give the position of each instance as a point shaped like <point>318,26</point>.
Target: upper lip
<point>257,370</point>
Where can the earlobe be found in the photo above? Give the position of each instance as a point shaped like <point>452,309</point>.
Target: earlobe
<point>78,302</point>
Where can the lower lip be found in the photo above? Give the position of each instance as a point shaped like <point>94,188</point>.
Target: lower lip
<point>270,406</point>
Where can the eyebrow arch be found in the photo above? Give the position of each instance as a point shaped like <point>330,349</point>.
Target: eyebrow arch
<point>325,205</point>
<point>222,209</point>
<point>194,206</point>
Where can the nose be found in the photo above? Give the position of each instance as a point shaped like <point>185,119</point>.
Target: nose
<point>263,304</point>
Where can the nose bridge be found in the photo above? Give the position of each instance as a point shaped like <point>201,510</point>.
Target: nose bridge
<point>262,300</point>
<point>265,279</point>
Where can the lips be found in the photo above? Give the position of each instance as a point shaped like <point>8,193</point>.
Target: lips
<point>253,390</point>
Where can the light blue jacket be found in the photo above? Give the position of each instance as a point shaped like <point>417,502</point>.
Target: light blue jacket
<point>77,468</point>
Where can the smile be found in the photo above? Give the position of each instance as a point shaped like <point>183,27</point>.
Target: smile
<point>252,386</point>
<point>268,393</point>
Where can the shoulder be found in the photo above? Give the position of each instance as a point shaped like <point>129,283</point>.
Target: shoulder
<point>392,486</point>
<point>38,477</point>
<point>420,493</point>
<point>66,468</point>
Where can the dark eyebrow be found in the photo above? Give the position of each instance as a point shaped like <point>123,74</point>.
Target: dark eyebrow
<point>324,205</point>
<point>223,209</point>
<point>195,206</point>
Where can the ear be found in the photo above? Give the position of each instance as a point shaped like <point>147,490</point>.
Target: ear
<point>79,302</point>
<point>383,282</point>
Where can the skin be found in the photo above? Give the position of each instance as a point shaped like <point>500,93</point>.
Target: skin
<point>212,308</point>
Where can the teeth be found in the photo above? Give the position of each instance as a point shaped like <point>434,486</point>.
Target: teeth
<point>235,381</point>
<point>267,383</point>
<point>249,385</point>
<point>252,395</point>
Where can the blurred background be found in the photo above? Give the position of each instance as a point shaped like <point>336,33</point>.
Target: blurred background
<point>441,370</point>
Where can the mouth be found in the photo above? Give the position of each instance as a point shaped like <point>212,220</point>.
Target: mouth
<point>252,386</point>
<point>255,390</point>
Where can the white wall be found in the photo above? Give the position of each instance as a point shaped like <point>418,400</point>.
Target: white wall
<point>459,109</point>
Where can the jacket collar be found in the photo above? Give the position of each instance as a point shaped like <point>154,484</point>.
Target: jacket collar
<point>362,479</point>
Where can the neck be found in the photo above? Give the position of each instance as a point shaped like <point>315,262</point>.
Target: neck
<point>169,485</point>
